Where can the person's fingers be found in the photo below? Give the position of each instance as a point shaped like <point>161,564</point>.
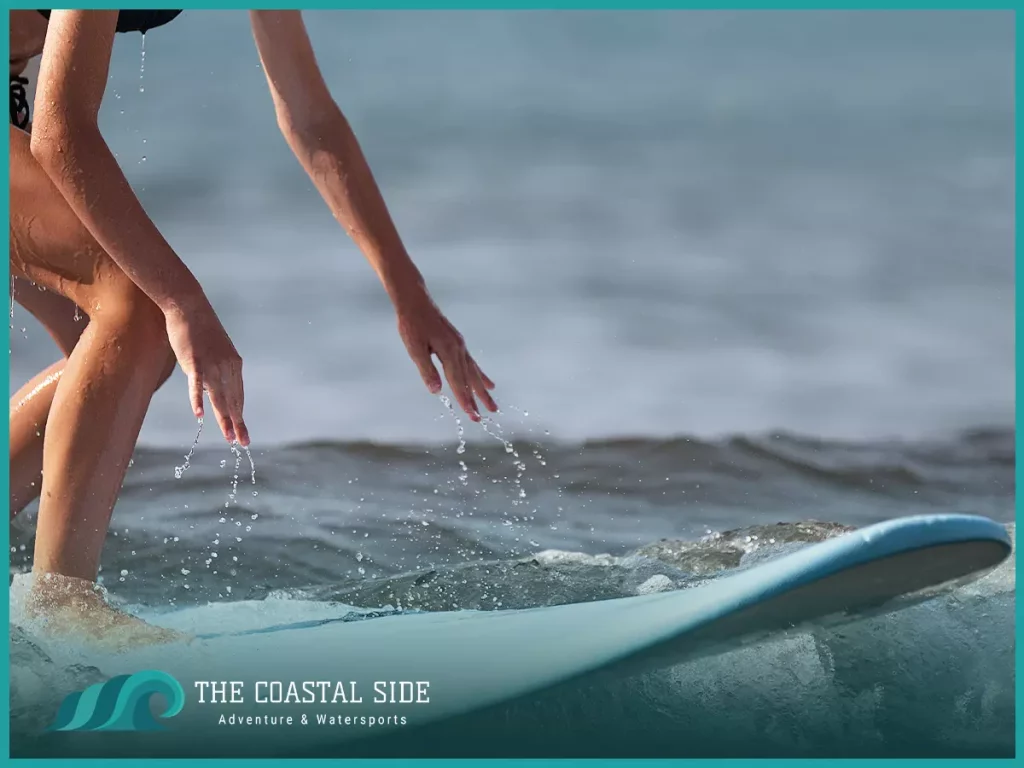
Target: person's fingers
<point>481,384</point>
<point>224,422</point>
<point>479,372</point>
<point>420,355</point>
<point>221,410</point>
<point>484,377</point>
<point>236,402</point>
<point>457,373</point>
<point>428,372</point>
<point>242,431</point>
<point>231,385</point>
<point>195,394</point>
<point>484,396</point>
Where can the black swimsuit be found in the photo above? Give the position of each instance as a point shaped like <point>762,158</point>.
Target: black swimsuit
<point>139,21</point>
<point>127,21</point>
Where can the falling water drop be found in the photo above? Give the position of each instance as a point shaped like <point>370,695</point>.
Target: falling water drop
<point>142,73</point>
<point>252,466</point>
<point>234,480</point>
<point>179,471</point>
<point>458,424</point>
<point>142,68</point>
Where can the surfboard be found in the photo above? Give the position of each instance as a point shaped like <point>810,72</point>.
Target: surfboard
<point>342,681</point>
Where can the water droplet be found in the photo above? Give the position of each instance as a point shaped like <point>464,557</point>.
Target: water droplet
<point>179,471</point>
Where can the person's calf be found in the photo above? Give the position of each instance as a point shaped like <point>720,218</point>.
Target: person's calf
<point>94,422</point>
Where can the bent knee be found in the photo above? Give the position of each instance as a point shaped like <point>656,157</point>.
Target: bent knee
<point>126,312</point>
<point>118,301</point>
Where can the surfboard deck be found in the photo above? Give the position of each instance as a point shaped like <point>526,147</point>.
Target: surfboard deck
<point>475,660</point>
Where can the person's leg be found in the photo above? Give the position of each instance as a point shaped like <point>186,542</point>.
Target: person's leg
<point>30,406</point>
<point>59,316</point>
<point>101,397</point>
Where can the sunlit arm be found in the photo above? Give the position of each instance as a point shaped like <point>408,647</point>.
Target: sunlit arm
<point>322,140</point>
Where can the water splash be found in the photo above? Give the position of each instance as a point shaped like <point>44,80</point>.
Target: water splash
<point>234,480</point>
<point>252,466</point>
<point>463,477</point>
<point>142,67</point>
<point>179,471</point>
<point>446,401</point>
<point>142,74</point>
<point>492,428</point>
<point>236,450</point>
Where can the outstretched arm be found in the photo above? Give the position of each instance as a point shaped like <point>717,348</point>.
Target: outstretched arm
<point>322,140</point>
<point>67,144</point>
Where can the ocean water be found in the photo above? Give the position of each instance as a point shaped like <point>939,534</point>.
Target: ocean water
<point>728,270</point>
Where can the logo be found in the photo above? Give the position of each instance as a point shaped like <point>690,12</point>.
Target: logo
<point>121,704</point>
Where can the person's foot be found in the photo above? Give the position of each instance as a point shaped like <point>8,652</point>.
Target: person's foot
<point>66,607</point>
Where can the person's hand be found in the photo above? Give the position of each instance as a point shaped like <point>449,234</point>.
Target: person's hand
<point>211,363</point>
<point>426,331</point>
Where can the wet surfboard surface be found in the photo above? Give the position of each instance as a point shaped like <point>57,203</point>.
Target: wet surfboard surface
<point>371,679</point>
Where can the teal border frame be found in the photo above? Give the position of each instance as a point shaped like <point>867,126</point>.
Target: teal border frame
<point>520,5</point>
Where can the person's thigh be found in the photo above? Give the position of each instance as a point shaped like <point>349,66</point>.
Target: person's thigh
<point>50,247</point>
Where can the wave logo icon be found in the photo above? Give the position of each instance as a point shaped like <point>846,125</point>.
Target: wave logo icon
<point>121,704</point>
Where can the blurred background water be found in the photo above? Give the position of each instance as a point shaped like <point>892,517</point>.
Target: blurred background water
<point>645,224</point>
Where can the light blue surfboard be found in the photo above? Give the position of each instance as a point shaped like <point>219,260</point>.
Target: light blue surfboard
<point>474,660</point>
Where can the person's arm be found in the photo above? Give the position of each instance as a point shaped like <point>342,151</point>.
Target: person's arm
<point>322,140</point>
<point>67,143</point>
